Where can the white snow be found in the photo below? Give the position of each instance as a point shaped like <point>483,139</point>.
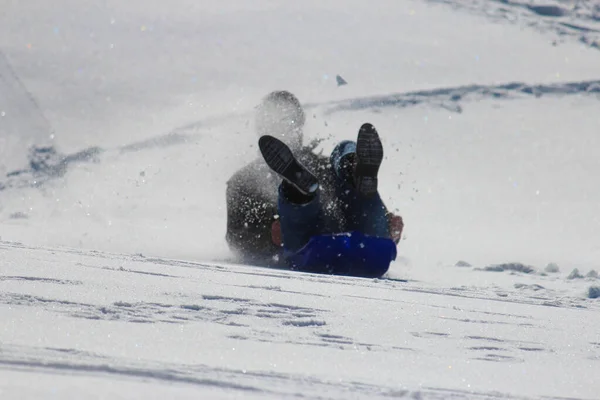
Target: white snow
<point>115,278</point>
<point>246,330</point>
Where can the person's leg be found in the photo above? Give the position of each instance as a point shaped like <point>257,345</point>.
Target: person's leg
<point>369,155</point>
<point>299,205</point>
<point>364,212</point>
<point>281,160</point>
<point>300,217</point>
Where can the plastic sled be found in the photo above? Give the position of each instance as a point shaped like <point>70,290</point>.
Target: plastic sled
<point>352,254</point>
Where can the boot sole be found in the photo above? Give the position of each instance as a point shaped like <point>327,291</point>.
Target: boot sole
<point>369,155</point>
<point>281,160</point>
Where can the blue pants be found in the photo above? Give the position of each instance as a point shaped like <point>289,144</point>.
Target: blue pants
<point>299,222</point>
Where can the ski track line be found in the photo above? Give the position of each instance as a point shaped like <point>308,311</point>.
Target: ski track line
<point>518,296</point>
<point>272,383</point>
<point>575,20</point>
<point>450,98</point>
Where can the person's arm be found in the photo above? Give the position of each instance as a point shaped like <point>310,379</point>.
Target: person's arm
<point>396,226</point>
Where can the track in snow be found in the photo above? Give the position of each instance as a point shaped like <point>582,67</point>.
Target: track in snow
<point>126,301</point>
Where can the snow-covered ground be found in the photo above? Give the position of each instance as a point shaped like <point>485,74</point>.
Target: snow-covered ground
<point>489,115</point>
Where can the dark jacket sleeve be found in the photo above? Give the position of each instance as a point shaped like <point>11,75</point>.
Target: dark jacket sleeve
<point>249,220</point>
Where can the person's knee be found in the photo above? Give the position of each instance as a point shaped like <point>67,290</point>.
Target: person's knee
<point>343,149</point>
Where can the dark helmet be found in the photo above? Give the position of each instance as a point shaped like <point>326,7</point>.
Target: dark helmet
<point>280,114</point>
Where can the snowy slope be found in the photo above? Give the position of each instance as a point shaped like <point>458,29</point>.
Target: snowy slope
<point>488,111</point>
<point>187,328</point>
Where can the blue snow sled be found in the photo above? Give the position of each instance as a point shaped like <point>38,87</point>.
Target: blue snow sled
<point>352,254</point>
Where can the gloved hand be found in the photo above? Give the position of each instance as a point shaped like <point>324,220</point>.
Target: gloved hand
<point>276,236</point>
<point>396,225</point>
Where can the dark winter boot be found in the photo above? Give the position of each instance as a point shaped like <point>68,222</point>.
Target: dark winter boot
<point>281,160</point>
<point>369,154</point>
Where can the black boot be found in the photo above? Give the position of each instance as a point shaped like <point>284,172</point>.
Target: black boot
<point>281,160</point>
<point>369,155</point>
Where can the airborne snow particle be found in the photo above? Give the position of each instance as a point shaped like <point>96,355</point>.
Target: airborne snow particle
<point>340,81</point>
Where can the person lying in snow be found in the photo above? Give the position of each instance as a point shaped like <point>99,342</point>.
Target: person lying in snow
<point>272,217</point>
